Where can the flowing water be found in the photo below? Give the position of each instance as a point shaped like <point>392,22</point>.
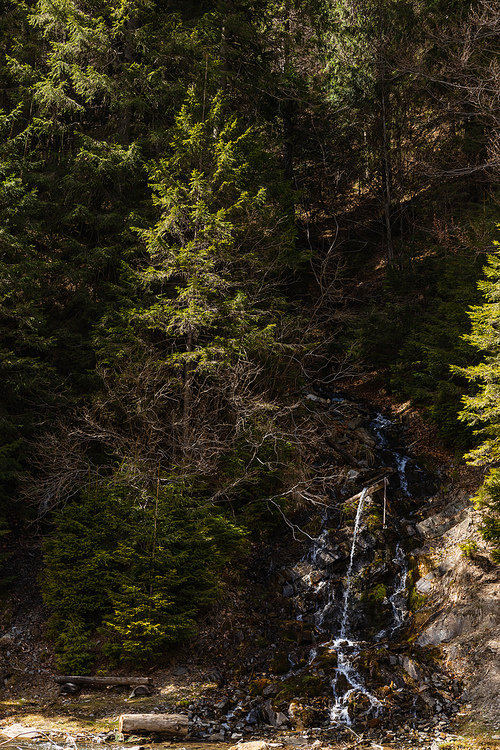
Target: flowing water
<point>337,617</point>
<point>348,584</point>
<point>347,649</point>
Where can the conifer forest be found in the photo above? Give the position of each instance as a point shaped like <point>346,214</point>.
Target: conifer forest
<point>213,213</point>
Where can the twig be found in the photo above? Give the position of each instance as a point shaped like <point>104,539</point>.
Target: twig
<point>30,731</point>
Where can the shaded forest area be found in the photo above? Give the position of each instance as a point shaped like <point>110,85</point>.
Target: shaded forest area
<point>205,207</point>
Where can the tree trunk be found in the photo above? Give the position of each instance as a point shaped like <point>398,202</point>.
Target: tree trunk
<point>186,416</point>
<point>76,680</point>
<point>173,724</point>
<point>387,181</point>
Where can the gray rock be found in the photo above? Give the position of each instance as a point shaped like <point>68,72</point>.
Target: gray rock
<point>281,720</point>
<point>139,691</point>
<point>423,586</point>
<point>411,669</point>
<point>69,688</point>
<point>271,689</point>
<point>445,629</point>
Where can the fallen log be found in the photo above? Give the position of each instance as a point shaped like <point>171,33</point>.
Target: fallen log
<point>369,491</point>
<point>76,680</point>
<point>345,455</point>
<point>175,725</point>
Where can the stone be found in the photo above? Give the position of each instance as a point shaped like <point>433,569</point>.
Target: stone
<point>254,745</point>
<point>180,671</point>
<point>423,586</point>
<point>139,691</point>
<point>315,576</point>
<point>448,626</point>
<point>69,688</point>
<point>281,719</point>
<point>327,556</point>
<point>410,668</point>
<point>271,689</point>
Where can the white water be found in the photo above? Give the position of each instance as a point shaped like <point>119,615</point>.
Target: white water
<point>398,598</point>
<point>378,425</point>
<point>347,649</point>
<point>346,652</point>
<point>348,584</point>
<point>347,683</point>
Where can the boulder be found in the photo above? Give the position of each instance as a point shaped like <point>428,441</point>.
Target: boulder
<point>254,745</point>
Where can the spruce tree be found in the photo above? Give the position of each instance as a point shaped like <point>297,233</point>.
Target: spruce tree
<point>481,410</point>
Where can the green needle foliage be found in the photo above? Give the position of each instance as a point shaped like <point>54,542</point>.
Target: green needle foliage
<point>140,568</point>
<point>482,409</point>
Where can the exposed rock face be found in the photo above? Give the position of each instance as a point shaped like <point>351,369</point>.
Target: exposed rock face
<point>462,603</point>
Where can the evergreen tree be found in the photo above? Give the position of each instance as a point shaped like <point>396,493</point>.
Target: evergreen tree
<point>481,410</point>
<point>146,567</point>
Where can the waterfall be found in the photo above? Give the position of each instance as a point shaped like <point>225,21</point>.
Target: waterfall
<point>339,712</point>
<point>398,598</point>
<point>324,583</point>
<point>348,584</point>
<point>345,648</point>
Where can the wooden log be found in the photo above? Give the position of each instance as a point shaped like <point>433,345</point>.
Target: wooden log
<point>345,455</point>
<point>175,725</point>
<point>76,680</point>
<point>369,491</point>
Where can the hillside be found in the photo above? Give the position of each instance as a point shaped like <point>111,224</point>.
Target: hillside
<point>235,664</point>
<point>250,364</point>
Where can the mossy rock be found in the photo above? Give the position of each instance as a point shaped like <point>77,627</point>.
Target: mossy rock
<point>279,664</point>
<point>313,527</point>
<point>295,631</point>
<point>256,687</point>
<point>374,520</point>
<point>305,686</point>
<point>373,601</point>
<point>305,716</point>
<point>326,660</point>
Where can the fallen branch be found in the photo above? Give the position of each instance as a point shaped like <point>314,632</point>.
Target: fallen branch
<point>368,490</point>
<point>342,452</point>
<point>31,732</point>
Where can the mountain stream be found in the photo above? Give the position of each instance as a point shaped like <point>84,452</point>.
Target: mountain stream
<point>352,583</point>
